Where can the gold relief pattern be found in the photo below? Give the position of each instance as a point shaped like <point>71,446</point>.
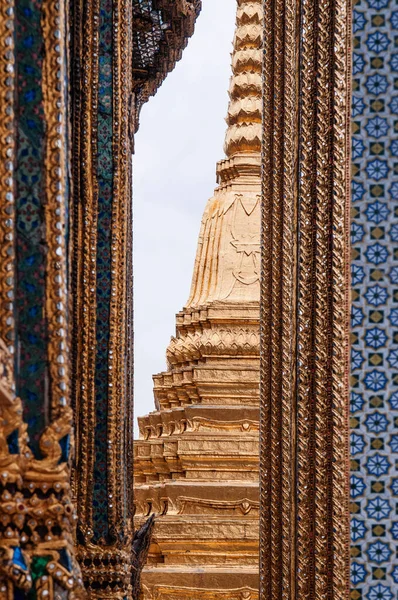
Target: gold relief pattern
<point>7,69</point>
<point>161,31</point>
<point>304,388</point>
<point>102,176</point>
<point>215,341</point>
<point>245,506</point>
<point>198,424</point>
<point>54,78</point>
<point>49,528</point>
<point>6,373</point>
<point>195,506</point>
<point>230,233</point>
<point>11,507</point>
<point>191,419</point>
<point>14,563</point>
<point>37,519</point>
<point>83,244</point>
<point>160,592</point>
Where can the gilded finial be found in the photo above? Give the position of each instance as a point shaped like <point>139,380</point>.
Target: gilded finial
<point>244,111</point>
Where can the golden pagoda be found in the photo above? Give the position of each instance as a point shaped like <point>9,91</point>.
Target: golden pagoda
<point>197,459</point>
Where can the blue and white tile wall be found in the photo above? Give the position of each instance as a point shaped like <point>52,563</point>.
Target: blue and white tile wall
<point>374,392</point>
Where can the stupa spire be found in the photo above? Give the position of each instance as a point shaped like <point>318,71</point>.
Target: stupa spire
<point>227,259</point>
<point>244,111</point>
<point>196,464</point>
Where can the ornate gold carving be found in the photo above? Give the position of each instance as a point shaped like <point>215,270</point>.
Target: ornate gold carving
<point>119,403</point>
<point>198,424</point>
<point>184,505</point>
<point>153,61</point>
<point>84,240</point>
<point>6,375</point>
<point>229,239</point>
<point>106,570</point>
<point>214,341</point>
<point>36,515</point>
<point>50,515</point>
<point>12,501</point>
<point>244,112</point>
<point>303,388</point>
<point>54,34</point>
<point>191,419</point>
<point>340,273</point>
<point>85,251</point>
<point>163,592</point>
<point>51,465</point>
<point>245,505</point>
<point>108,564</point>
<point>7,148</point>
<point>12,421</point>
<point>106,567</point>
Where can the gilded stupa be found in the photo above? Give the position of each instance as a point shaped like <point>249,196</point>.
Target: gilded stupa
<point>197,459</point>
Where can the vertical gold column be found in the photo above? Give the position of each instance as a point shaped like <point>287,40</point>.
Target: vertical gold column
<point>7,149</point>
<point>37,521</point>
<point>304,297</point>
<point>101,247</point>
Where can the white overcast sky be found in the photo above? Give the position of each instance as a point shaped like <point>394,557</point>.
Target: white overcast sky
<point>179,141</point>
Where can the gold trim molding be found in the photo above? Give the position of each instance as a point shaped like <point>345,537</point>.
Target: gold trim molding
<point>304,300</point>
<point>161,592</point>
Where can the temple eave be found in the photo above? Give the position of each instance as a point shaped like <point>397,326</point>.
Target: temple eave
<point>160,34</point>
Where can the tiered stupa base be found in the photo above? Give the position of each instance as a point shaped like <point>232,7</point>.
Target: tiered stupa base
<point>196,464</point>
<point>205,543</point>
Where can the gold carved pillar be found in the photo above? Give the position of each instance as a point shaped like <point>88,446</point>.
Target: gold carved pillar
<point>101,288</point>
<point>37,518</point>
<point>304,296</point>
<point>11,423</point>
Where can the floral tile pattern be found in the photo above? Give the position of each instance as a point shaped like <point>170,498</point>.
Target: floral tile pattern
<point>374,359</point>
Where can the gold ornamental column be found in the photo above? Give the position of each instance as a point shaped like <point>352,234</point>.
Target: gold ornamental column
<point>37,516</point>
<point>304,301</point>
<point>101,287</point>
<point>121,52</point>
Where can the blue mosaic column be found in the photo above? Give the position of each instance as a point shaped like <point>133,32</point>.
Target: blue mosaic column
<point>374,377</point>
<point>101,255</point>
<point>38,522</point>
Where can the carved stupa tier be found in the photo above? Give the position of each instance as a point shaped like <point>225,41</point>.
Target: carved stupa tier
<point>196,463</point>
